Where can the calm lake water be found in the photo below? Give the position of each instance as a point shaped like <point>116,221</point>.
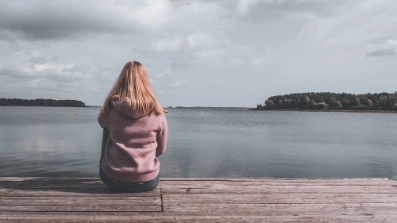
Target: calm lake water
<point>42,141</point>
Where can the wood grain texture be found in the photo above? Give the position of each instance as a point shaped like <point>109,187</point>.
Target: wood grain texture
<point>200,200</point>
<point>277,198</point>
<point>77,192</point>
<point>82,208</point>
<point>4,191</point>
<point>52,185</point>
<point>97,185</point>
<point>56,201</point>
<point>136,217</point>
<point>225,189</point>
<point>47,179</point>
<point>371,182</point>
<point>352,209</point>
<point>298,180</point>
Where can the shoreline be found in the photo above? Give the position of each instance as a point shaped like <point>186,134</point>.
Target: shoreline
<point>47,106</point>
<point>41,102</point>
<point>328,110</point>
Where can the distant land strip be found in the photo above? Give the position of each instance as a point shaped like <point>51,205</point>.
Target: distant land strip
<point>40,102</point>
<point>327,101</point>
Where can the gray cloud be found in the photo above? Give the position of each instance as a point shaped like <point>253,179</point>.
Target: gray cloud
<point>11,72</point>
<point>387,48</point>
<point>41,59</point>
<point>80,68</point>
<point>41,19</point>
<point>276,9</point>
<point>197,53</point>
<point>39,68</point>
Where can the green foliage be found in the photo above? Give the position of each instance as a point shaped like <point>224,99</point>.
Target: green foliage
<point>359,107</point>
<point>269,104</point>
<point>370,104</point>
<point>328,100</point>
<point>322,106</point>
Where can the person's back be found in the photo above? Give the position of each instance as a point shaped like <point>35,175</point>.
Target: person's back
<point>138,133</point>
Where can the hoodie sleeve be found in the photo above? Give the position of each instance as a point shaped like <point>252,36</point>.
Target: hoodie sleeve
<point>102,120</point>
<point>162,137</point>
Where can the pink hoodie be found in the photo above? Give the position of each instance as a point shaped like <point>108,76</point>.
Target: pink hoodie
<point>135,140</point>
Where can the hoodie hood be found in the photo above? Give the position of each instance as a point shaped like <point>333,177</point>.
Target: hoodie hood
<point>124,105</point>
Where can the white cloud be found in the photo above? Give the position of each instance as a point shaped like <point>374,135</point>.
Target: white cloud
<point>195,40</point>
<point>200,40</point>
<point>210,56</point>
<point>154,13</point>
<point>243,5</point>
<point>169,44</point>
<point>385,49</point>
<point>262,61</point>
<point>178,83</point>
<point>162,74</point>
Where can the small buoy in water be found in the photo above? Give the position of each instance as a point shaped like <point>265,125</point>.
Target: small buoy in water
<point>75,113</point>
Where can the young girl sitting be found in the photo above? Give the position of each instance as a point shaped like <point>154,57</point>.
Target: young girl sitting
<point>137,133</point>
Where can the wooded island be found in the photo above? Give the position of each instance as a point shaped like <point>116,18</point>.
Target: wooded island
<point>332,101</point>
<point>40,102</point>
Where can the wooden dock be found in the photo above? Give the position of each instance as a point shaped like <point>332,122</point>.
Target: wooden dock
<point>200,200</point>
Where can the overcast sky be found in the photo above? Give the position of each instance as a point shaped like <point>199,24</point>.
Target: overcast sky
<point>198,52</point>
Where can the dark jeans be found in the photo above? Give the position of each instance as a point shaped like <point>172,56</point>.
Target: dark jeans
<point>120,186</point>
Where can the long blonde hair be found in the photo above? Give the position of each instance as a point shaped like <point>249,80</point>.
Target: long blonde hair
<point>133,83</point>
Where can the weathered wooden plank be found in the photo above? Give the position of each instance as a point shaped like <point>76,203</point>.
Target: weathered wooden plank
<point>277,198</point>
<point>376,205</point>
<point>4,191</point>
<point>67,179</point>
<point>352,209</point>
<point>99,184</point>
<point>51,185</point>
<point>59,183</point>
<point>156,217</point>
<point>201,200</point>
<point>84,208</point>
<point>51,201</point>
<point>168,219</point>
<point>278,183</point>
<point>298,180</point>
<point>86,216</point>
<point>280,189</point>
<point>84,192</point>
<point>277,179</point>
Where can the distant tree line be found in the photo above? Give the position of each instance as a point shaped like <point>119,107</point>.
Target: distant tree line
<point>40,102</point>
<point>328,100</point>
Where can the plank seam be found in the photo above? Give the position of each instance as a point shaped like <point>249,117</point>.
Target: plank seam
<point>161,197</point>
